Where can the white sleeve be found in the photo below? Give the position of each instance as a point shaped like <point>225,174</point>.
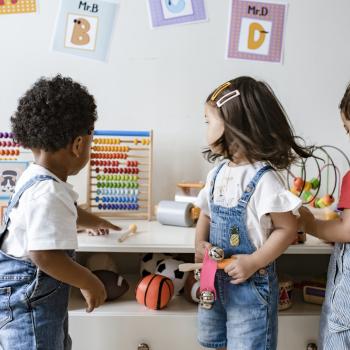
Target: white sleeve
<point>51,222</point>
<point>271,196</point>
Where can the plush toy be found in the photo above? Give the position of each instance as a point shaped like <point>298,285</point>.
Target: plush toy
<point>104,267</point>
<point>101,261</point>
<point>150,261</point>
<point>170,268</point>
<point>116,285</point>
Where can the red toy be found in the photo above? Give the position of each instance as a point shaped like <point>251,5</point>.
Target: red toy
<point>154,291</point>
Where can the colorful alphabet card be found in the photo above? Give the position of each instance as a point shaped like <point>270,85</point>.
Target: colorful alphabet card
<point>170,12</point>
<point>257,30</point>
<point>8,7</point>
<point>84,28</point>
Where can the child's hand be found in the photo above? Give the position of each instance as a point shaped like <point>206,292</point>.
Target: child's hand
<point>201,246</point>
<point>306,221</point>
<point>95,295</point>
<point>102,227</point>
<point>243,267</point>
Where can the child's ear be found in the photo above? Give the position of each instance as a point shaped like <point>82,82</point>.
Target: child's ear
<point>77,146</point>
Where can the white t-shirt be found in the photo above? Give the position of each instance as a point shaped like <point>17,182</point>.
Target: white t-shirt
<point>45,217</point>
<point>270,196</point>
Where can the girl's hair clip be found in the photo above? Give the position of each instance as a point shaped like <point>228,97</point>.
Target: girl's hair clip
<point>229,96</point>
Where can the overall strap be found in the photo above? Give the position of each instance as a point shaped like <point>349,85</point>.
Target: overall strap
<point>15,199</point>
<point>249,191</point>
<point>212,182</point>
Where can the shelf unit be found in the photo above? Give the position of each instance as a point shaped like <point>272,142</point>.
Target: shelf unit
<point>125,313</point>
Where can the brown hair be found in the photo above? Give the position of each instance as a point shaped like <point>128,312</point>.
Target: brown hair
<point>256,123</point>
<point>345,103</point>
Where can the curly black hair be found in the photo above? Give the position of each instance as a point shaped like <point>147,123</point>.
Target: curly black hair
<point>52,113</point>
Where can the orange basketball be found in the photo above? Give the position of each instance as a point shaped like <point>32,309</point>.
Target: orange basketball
<point>154,291</point>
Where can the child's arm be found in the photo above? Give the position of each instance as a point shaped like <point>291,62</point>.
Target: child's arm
<point>57,264</point>
<point>282,236</point>
<point>94,223</point>
<point>202,236</point>
<point>330,230</point>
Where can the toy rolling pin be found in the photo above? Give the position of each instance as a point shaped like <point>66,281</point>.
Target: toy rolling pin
<point>129,232</point>
<point>196,266</point>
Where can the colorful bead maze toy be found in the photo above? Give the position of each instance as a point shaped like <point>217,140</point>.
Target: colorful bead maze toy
<point>9,149</point>
<point>120,174</point>
<point>327,181</point>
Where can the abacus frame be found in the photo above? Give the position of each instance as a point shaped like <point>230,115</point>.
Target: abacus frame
<point>145,153</point>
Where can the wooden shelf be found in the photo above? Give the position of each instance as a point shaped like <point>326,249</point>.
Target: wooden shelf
<point>127,305</point>
<point>179,306</point>
<point>152,237</point>
<point>312,245</point>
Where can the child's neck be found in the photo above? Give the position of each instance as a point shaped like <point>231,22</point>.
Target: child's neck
<point>56,163</point>
<point>241,160</point>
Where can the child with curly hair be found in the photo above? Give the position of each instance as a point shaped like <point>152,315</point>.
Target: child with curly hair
<point>55,119</point>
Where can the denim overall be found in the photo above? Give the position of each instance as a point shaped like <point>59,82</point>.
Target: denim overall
<point>335,318</point>
<point>33,305</point>
<point>244,316</point>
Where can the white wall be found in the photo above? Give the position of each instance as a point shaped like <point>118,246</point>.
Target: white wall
<point>159,78</point>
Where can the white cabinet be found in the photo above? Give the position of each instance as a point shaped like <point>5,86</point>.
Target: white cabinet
<point>123,324</point>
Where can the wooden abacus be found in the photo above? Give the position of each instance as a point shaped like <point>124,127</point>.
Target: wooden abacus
<point>120,174</point>
<point>9,149</point>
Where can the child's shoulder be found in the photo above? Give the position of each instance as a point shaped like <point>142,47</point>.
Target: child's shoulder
<point>51,188</point>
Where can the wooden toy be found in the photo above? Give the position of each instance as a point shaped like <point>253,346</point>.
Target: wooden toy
<point>194,266</point>
<point>309,190</point>
<point>154,291</point>
<point>9,149</point>
<point>120,174</point>
<point>129,232</point>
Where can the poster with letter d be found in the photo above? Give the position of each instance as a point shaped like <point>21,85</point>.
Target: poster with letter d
<point>84,28</point>
<point>256,30</point>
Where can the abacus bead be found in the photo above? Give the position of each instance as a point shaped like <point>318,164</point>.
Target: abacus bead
<point>6,135</point>
<point>100,206</point>
<point>97,199</point>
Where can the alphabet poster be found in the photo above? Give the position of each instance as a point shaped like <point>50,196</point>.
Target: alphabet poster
<point>84,28</point>
<point>170,12</point>
<point>257,30</point>
<point>8,7</point>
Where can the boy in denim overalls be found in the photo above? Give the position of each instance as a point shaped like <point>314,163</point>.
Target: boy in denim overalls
<point>55,119</point>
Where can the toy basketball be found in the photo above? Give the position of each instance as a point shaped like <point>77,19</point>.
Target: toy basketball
<point>154,291</point>
<point>285,295</point>
<point>192,289</point>
<point>115,284</point>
